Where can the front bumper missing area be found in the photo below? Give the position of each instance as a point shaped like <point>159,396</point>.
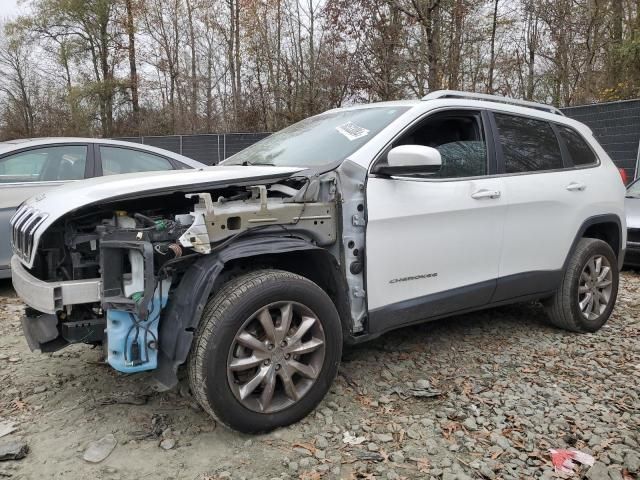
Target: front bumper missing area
<point>50,297</point>
<point>41,332</point>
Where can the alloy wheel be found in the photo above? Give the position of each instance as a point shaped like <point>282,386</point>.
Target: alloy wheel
<point>595,287</point>
<point>276,357</point>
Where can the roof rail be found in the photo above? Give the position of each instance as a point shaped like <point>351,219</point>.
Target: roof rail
<point>490,98</point>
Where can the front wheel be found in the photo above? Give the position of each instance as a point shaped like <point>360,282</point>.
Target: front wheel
<point>586,297</point>
<point>266,351</point>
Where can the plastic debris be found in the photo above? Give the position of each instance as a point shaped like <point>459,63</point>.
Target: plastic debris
<point>100,449</point>
<point>6,428</point>
<point>564,460</point>
<point>351,439</point>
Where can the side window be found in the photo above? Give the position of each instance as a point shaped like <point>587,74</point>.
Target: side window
<point>581,153</point>
<point>458,136</point>
<point>528,145</point>
<point>117,160</point>
<point>47,164</point>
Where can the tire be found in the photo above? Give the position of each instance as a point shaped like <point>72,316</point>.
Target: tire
<point>235,359</point>
<point>565,307</point>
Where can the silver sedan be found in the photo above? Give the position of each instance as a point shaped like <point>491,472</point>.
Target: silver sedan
<point>29,167</point>
<point>632,210</point>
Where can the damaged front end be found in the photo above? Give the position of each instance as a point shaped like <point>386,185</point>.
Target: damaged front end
<point>108,273</point>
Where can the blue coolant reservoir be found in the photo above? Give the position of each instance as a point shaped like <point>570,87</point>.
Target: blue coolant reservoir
<point>133,344</point>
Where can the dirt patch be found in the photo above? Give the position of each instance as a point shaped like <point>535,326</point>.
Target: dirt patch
<point>483,395</point>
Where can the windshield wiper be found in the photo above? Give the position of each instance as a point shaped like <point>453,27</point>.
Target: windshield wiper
<point>632,196</point>
<point>247,163</point>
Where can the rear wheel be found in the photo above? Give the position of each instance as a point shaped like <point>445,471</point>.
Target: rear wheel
<point>266,351</point>
<point>586,297</point>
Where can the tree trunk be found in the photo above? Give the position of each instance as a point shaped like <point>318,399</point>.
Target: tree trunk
<point>433,44</point>
<point>194,76</point>
<point>455,48</point>
<point>492,57</point>
<point>237,60</point>
<point>133,71</point>
<point>616,37</point>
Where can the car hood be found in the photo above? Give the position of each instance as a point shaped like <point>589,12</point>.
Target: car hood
<point>131,185</point>
<point>47,207</point>
<point>632,210</point>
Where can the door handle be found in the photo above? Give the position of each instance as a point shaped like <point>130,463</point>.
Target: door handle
<point>576,187</point>
<point>480,194</point>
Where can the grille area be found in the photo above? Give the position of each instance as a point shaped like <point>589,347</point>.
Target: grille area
<point>23,226</point>
<point>633,235</point>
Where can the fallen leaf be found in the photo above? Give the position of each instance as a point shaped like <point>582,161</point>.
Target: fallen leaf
<point>306,446</point>
<point>6,428</point>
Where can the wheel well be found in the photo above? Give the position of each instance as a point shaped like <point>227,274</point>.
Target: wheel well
<point>319,266</point>
<point>606,231</point>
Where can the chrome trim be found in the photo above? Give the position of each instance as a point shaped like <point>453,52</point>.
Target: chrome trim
<point>39,182</point>
<point>24,224</point>
<point>50,297</point>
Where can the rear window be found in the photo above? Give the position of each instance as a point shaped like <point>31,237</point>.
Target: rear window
<point>528,145</point>
<point>581,153</point>
<point>116,160</point>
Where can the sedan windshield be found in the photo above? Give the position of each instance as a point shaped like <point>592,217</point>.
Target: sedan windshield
<point>317,141</point>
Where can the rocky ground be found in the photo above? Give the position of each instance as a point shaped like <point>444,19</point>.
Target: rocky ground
<point>481,396</point>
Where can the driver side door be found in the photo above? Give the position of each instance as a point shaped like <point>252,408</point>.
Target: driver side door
<point>433,242</point>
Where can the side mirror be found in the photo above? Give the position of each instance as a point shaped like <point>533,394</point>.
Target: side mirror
<point>408,159</point>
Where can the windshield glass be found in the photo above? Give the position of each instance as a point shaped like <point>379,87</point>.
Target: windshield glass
<point>321,140</point>
<point>634,190</point>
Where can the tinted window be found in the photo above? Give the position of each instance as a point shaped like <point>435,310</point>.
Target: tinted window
<point>44,164</point>
<point>580,152</point>
<point>528,145</point>
<point>116,160</point>
<point>458,137</point>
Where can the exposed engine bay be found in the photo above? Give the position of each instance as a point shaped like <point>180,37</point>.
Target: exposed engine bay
<point>140,248</point>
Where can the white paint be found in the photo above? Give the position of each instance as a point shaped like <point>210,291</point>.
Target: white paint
<point>417,227</point>
<point>414,156</point>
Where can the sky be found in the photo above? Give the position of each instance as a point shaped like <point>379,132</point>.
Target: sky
<point>9,8</point>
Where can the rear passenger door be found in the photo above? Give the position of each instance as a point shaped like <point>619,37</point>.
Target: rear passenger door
<point>545,189</point>
<point>115,160</point>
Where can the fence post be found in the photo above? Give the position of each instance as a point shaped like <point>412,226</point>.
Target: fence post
<point>635,173</point>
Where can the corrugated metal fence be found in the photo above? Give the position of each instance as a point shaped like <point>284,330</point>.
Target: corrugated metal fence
<point>206,148</point>
<point>616,125</point>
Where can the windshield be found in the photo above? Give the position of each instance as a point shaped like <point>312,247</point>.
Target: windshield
<point>633,191</point>
<point>321,140</point>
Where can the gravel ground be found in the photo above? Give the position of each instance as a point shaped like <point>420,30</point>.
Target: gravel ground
<point>481,396</point>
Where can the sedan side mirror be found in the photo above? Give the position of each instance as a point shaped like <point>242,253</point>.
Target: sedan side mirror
<point>408,159</point>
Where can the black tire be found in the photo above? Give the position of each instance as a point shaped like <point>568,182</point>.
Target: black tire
<point>224,317</point>
<point>563,308</point>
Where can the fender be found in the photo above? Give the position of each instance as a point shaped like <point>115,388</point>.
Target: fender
<point>619,249</point>
<point>181,317</point>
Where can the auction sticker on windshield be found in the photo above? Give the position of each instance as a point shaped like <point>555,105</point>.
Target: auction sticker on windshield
<point>352,131</point>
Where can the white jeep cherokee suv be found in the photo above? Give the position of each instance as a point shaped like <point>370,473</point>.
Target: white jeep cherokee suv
<point>337,229</point>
